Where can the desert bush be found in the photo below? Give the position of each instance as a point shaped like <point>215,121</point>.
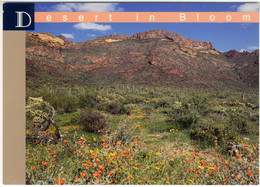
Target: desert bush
<point>242,125</point>
<point>212,133</point>
<point>162,103</point>
<point>184,116</point>
<point>87,99</point>
<point>38,110</point>
<point>113,106</point>
<point>91,121</point>
<point>63,101</point>
<point>134,99</point>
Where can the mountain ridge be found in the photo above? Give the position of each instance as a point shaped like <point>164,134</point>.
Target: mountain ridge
<point>156,57</point>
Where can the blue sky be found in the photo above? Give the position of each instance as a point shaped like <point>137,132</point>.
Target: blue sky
<point>224,36</point>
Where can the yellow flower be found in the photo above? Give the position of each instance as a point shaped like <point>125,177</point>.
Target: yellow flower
<point>158,153</point>
<point>94,139</point>
<point>201,167</point>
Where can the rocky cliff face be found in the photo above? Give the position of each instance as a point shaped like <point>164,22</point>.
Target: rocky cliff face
<point>238,55</point>
<point>167,35</point>
<point>156,57</point>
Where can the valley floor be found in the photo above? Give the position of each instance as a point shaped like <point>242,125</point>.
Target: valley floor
<point>145,135</point>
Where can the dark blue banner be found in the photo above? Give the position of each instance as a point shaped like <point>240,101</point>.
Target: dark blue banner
<point>18,16</point>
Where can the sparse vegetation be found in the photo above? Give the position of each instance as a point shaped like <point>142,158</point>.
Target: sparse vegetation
<point>150,135</point>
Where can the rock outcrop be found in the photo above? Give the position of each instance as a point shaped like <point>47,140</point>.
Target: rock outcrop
<point>156,57</point>
<point>238,55</point>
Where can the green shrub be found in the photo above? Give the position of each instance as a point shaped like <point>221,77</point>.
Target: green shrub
<point>134,99</point>
<point>113,106</point>
<point>87,99</point>
<point>184,117</point>
<point>242,125</point>
<point>93,122</point>
<point>66,102</point>
<point>212,133</point>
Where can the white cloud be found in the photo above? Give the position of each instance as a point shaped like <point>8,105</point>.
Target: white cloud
<point>252,47</point>
<point>233,7</point>
<point>248,7</point>
<point>92,26</point>
<point>242,50</point>
<point>66,35</point>
<point>91,35</point>
<point>244,25</point>
<point>87,7</point>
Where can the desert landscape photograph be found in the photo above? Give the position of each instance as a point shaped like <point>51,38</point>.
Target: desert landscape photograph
<point>142,103</point>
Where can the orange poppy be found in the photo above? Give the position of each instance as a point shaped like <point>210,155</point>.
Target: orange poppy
<point>65,141</point>
<point>238,155</point>
<point>62,181</point>
<point>92,156</point>
<point>54,156</point>
<point>101,167</point>
<point>111,173</point>
<point>83,175</point>
<point>44,163</point>
<point>91,165</point>
<point>104,140</point>
<point>97,160</point>
<point>96,175</point>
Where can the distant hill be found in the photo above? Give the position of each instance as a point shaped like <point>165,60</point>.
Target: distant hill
<point>157,58</point>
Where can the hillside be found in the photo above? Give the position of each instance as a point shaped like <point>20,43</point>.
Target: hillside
<point>157,58</point>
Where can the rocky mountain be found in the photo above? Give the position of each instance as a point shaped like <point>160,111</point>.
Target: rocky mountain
<point>157,58</point>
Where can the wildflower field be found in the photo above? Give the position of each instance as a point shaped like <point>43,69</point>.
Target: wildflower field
<point>123,134</point>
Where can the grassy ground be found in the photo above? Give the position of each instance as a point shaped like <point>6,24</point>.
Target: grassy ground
<point>154,136</point>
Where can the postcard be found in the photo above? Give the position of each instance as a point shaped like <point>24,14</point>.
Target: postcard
<point>131,93</point>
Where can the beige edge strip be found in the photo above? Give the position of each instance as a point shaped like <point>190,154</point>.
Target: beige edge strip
<point>14,107</point>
